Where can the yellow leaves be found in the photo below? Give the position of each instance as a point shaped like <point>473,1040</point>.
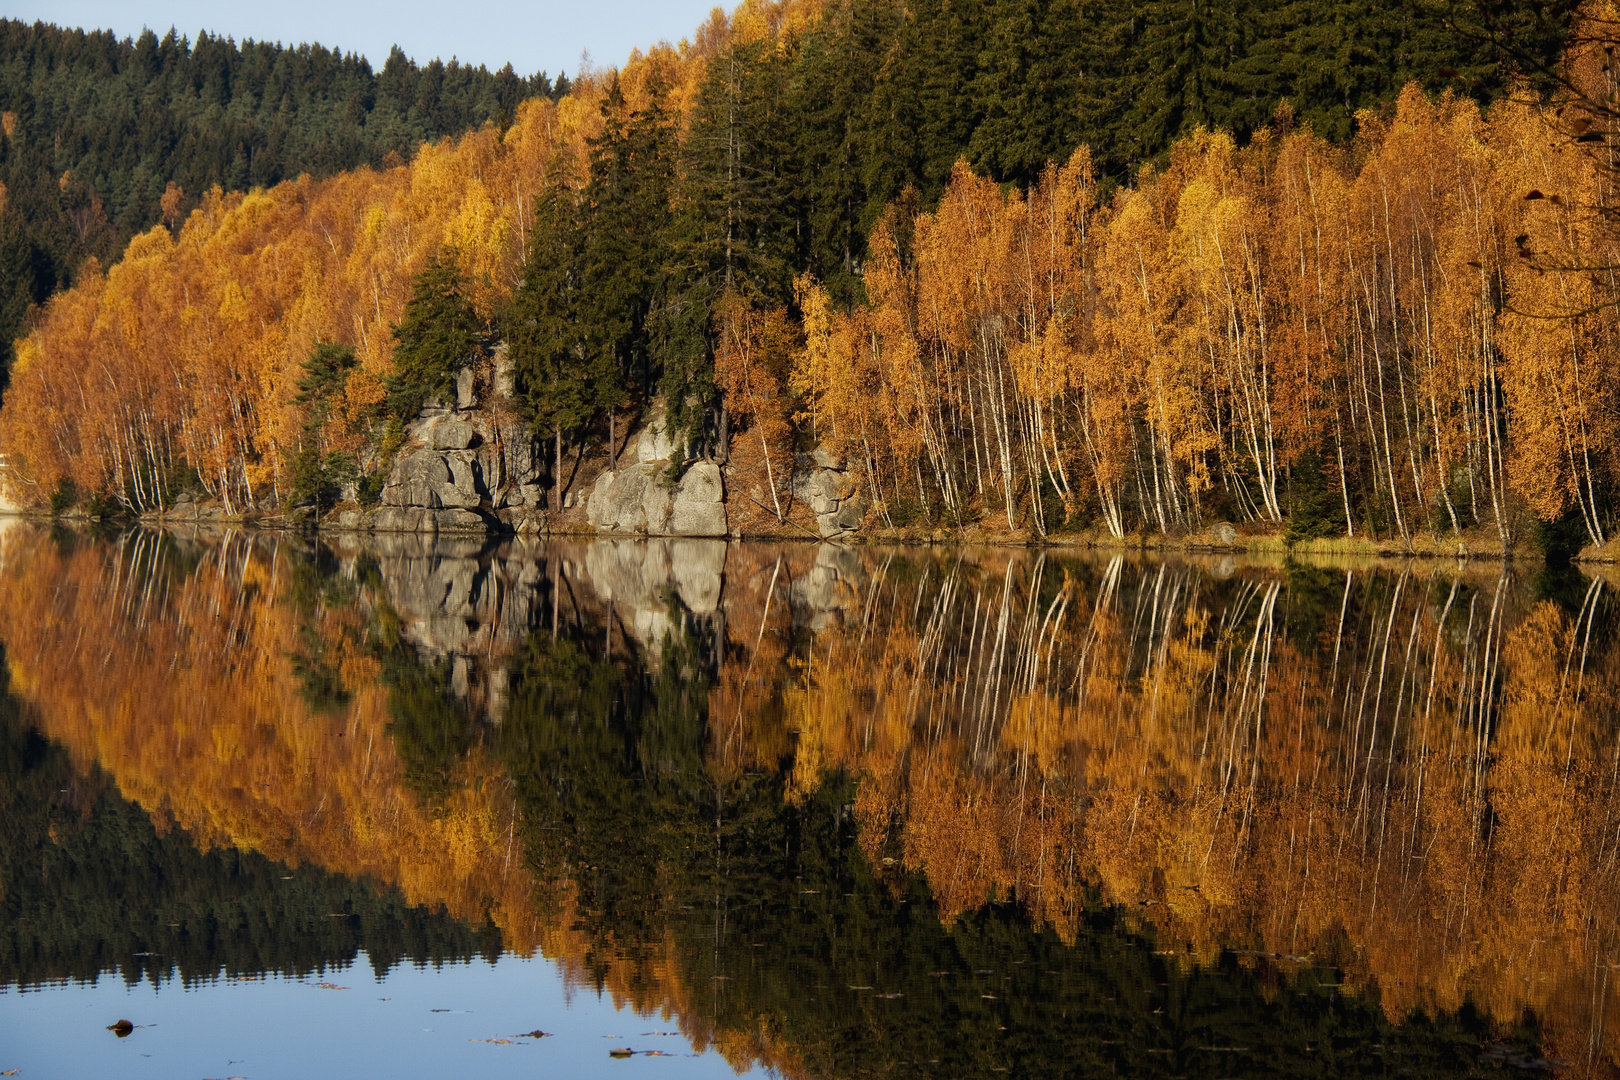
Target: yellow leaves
<point>749,22</point>
<point>480,231</point>
<point>155,244</point>
<point>822,370</point>
<point>233,305</point>
<point>28,354</point>
<point>204,336</point>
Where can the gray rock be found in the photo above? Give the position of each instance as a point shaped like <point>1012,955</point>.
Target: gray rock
<point>1224,533</point>
<point>450,495</point>
<point>702,483</point>
<point>596,504</point>
<point>414,493</point>
<point>452,435</point>
<point>827,484</point>
<point>459,521</point>
<point>654,444</point>
<point>425,465</point>
<point>698,508</point>
<point>504,385</point>
<point>851,514</point>
<point>464,471</point>
<point>657,498</point>
<point>619,502</point>
<point>465,397</point>
<point>403,519</point>
<point>827,459</point>
<point>697,519</point>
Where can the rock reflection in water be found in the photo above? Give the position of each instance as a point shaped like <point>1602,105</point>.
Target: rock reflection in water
<point>735,781</point>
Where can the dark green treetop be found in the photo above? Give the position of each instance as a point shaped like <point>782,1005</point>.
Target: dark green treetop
<point>438,334</point>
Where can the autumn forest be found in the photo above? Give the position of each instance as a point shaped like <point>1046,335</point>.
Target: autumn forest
<point>1391,321</point>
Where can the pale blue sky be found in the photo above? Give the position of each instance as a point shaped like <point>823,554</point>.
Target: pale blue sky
<point>538,35</point>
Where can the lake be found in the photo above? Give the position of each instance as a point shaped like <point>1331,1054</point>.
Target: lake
<point>392,806</point>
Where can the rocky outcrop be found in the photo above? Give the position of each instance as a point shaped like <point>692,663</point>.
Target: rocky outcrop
<point>462,470</point>
<point>699,505</point>
<point>641,498</point>
<point>470,465</point>
<point>821,482</point>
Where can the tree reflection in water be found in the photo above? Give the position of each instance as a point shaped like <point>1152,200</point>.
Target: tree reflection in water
<point>855,810</point>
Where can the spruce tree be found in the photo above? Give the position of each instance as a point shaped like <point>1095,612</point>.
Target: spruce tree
<point>626,215</point>
<point>558,377</point>
<point>438,334</point>
<point>731,229</point>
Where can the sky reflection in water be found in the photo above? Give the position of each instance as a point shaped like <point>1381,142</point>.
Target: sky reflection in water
<point>433,1023</point>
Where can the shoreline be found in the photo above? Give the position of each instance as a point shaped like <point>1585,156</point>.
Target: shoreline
<point>1261,546</point>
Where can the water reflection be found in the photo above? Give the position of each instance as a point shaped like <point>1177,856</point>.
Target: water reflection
<point>849,810</point>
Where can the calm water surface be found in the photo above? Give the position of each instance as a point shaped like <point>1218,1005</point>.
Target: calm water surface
<point>396,807</point>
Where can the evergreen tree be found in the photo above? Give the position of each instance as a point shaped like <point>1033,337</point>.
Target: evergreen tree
<point>841,149</point>
<point>627,203</point>
<point>1182,70</point>
<point>319,472</point>
<point>731,230</point>
<point>559,378</point>
<point>438,335</point>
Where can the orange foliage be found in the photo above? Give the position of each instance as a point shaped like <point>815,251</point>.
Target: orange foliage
<point>1024,732</point>
<point>216,737</point>
<point>1182,347</point>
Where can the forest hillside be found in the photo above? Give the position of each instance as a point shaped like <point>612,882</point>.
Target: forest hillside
<point>104,138</point>
<point>1027,266</point>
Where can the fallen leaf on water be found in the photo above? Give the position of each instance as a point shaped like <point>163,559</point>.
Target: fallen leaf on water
<point>620,1052</point>
<point>330,986</point>
<point>121,1029</point>
<point>10,1072</point>
<point>500,1042</point>
<point>535,1034</point>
